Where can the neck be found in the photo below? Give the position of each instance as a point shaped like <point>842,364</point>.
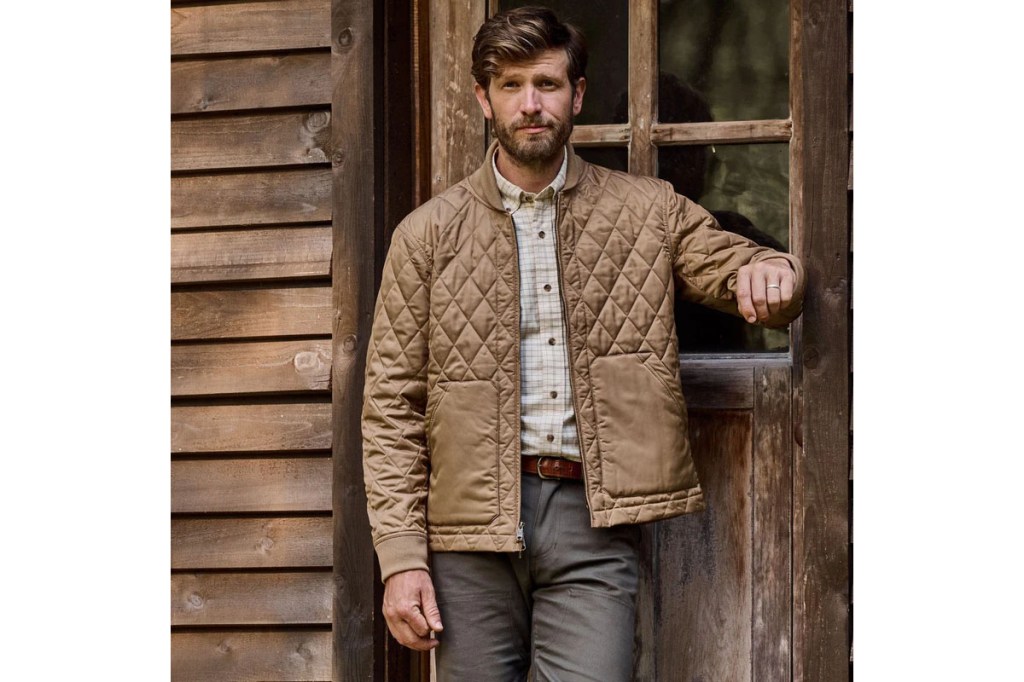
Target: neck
<point>532,178</point>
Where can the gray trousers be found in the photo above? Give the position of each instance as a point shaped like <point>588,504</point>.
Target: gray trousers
<point>566,606</point>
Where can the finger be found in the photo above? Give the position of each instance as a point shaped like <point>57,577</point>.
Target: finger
<point>406,637</point>
<point>757,294</point>
<point>430,610</point>
<point>787,284</point>
<point>413,616</point>
<point>743,301</point>
<point>773,293</point>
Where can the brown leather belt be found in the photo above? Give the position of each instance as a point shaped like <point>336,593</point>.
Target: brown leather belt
<point>552,467</point>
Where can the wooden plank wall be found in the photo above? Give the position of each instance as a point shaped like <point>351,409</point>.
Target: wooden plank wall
<point>251,300</point>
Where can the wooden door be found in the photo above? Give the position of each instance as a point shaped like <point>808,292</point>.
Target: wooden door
<point>742,106</point>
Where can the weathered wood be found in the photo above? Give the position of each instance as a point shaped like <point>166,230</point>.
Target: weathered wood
<point>278,139</point>
<point>458,123</point>
<point>244,255</point>
<point>287,542</point>
<point>291,656</point>
<point>600,135</point>
<point>302,598</point>
<point>643,84</point>
<point>821,533</point>
<point>239,368</point>
<point>707,386</point>
<point>772,510</point>
<point>236,313</point>
<point>253,198</point>
<point>358,247</point>
<point>250,428</point>
<point>721,132</point>
<point>287,80</point>
<point>251,485</point>
<point>250,26</point>
<point>704,562</point>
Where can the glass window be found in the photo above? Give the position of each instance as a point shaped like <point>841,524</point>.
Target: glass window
<point>606,27</point>
<point>746,188</point>
<point>616,158</point>
<point>734,55</point>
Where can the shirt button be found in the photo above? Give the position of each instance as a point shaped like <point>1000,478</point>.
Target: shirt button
<point>554,394</point>
<point>551,437</point>
<point>541,234</point>
<point>551,341</point>
<point>547,287</point>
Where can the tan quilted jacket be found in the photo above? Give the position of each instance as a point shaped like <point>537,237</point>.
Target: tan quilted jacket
<point>441,405</point>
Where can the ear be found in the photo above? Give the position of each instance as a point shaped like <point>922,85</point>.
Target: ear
<point>577,100</point>
<point>481,97</point>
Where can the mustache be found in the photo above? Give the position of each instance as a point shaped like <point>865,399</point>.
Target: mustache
<point>531,123</point>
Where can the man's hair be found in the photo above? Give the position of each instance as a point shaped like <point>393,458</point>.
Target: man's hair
<point>519,35</point>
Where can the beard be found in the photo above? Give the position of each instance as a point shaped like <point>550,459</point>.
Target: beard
<point>533,150</point>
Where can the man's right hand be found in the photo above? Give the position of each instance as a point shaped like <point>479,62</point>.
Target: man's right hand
<point>410,609</point>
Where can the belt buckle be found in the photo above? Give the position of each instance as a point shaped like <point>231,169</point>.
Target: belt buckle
<point>540,462</point>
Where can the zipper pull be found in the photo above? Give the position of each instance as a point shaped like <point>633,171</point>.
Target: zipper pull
<point>521,539</point>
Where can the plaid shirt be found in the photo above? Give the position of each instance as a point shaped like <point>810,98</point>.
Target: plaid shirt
<point>548,420</point>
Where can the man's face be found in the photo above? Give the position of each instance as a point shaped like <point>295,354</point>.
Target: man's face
<point>531,106</point>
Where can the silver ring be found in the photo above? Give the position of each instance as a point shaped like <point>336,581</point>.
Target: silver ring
<point>773,286</point>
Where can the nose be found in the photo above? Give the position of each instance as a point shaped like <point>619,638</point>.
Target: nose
<point>531,100</point>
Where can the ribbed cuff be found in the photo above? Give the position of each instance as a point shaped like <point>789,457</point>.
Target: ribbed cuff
<point>402,553</point>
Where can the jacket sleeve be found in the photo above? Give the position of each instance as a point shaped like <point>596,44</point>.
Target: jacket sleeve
<point>706,259</point>
<point>394,403</point>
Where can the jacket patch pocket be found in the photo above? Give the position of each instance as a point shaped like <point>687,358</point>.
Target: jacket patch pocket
<point>641,426</point>
<point>462,436</point>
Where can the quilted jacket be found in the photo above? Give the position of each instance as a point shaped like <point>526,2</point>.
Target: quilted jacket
<point>441,405</point>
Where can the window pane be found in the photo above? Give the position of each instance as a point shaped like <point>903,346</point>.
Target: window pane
<point>605,25</point>
<point>746,188</point>
<point>616,158</point>
<point>732,56</point>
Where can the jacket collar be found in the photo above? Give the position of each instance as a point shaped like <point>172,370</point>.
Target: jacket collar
<point>483,184</point>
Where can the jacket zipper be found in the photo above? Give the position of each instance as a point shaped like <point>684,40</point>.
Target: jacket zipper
<point>518,483</point>
<point>568,344</point>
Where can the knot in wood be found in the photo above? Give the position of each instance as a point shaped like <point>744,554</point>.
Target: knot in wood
<point>337,158</point>
<point>349,343</point>
<point>811,358</point>
<point>345,38</point>
<point>317,120</point>
<point>195,600</point>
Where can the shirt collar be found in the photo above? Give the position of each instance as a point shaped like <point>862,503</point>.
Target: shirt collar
<point>512,195</point>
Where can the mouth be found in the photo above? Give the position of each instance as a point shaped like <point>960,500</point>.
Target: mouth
<point>533,129</point>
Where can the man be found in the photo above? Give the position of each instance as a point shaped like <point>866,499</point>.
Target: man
<point>523,411</point>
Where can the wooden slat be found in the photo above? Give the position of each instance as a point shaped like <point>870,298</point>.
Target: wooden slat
<point>250,428</point>
<point>287,80</point>
<point>721,132</point>
<point>251,543</point>
<point>238,368</point>
<point>357,628</point>
<point>709,387</point>
<point>772,501</point>
<point>255,198</point>
<point>457,120</point>
<point>292,656</point>
<point>600,135</point>
<point>704,561</point>
<point>251,485</point>
<point>250,26</point>
<point>821,527</point>
<point>643,84</point>
<point>279,139</point>
<point>243,255</point>
<point>225,314</point>
<point>251,598</point>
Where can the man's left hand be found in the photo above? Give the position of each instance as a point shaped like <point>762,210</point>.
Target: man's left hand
<point>764,289</point>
